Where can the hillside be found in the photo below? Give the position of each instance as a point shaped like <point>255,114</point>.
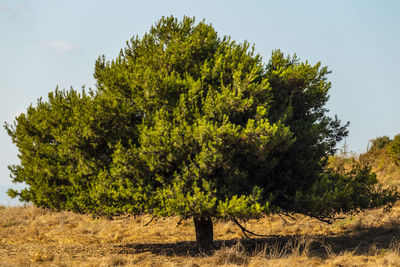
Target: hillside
<point>379,157</point>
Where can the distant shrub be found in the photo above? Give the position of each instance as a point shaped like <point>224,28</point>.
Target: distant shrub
<point>379,143</point>
<point>394,149</point>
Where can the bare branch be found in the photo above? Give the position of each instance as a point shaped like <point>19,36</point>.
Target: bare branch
<point>290,216</point>
<point>150,220</point>
<point>282,218</point>
<point>180,222</point>
<point>245,231</point>
<point>322,219</point>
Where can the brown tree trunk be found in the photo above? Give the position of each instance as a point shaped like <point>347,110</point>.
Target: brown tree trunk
<point>204,232</point>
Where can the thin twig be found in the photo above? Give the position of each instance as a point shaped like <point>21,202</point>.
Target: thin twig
<point>150,220</point>
<point>290,216</point>
<point>180,222</point>
<point>282,218</point>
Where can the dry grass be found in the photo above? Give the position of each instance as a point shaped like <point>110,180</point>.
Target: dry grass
<point>32,236</point>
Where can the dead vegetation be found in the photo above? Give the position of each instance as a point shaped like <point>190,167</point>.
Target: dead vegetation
<point>37,237</point>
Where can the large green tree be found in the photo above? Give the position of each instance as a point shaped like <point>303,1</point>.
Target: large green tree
<point>186,123</point>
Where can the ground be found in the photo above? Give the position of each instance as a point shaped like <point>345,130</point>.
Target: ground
<point>32,236</point>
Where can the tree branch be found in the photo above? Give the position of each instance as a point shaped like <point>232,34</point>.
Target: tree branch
<point>180,222</point>
<point>328,220</point>
<point>146,224</point>
<point>245,231</point>
<point>282,218</point>
<point>290,216</point>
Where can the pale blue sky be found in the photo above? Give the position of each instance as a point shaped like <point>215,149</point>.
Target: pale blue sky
<point>45,43</point>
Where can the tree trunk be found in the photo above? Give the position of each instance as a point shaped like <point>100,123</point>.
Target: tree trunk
<point>204,232</point>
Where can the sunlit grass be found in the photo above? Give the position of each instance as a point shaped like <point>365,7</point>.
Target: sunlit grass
<point>38,237</point>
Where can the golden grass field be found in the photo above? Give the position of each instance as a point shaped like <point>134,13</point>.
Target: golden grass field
<point>36,237</point>
<point>31,236</point>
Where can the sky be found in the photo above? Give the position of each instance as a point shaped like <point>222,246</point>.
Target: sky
<point>49,43</point>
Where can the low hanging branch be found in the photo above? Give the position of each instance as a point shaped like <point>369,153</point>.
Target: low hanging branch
<point>287,215</point>
<point>328,221</point>
<point>246,232</point>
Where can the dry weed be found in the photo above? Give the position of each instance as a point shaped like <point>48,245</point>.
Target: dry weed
<point>235,255</point>
<point>32,236</point>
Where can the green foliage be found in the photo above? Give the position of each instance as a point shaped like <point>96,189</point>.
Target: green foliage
<point>64,144</point>
<point>394,149</point>
<point>186,123</point>
<point>345,191</point>
<point>51,152</point>
<point>384,154</point>
<point>299,93</point>
<point>379,143</point>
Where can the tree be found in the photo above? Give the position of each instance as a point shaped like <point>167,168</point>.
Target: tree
<point>186,123</point>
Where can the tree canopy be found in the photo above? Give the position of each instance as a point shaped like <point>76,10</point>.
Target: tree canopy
<point>184,122</point>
